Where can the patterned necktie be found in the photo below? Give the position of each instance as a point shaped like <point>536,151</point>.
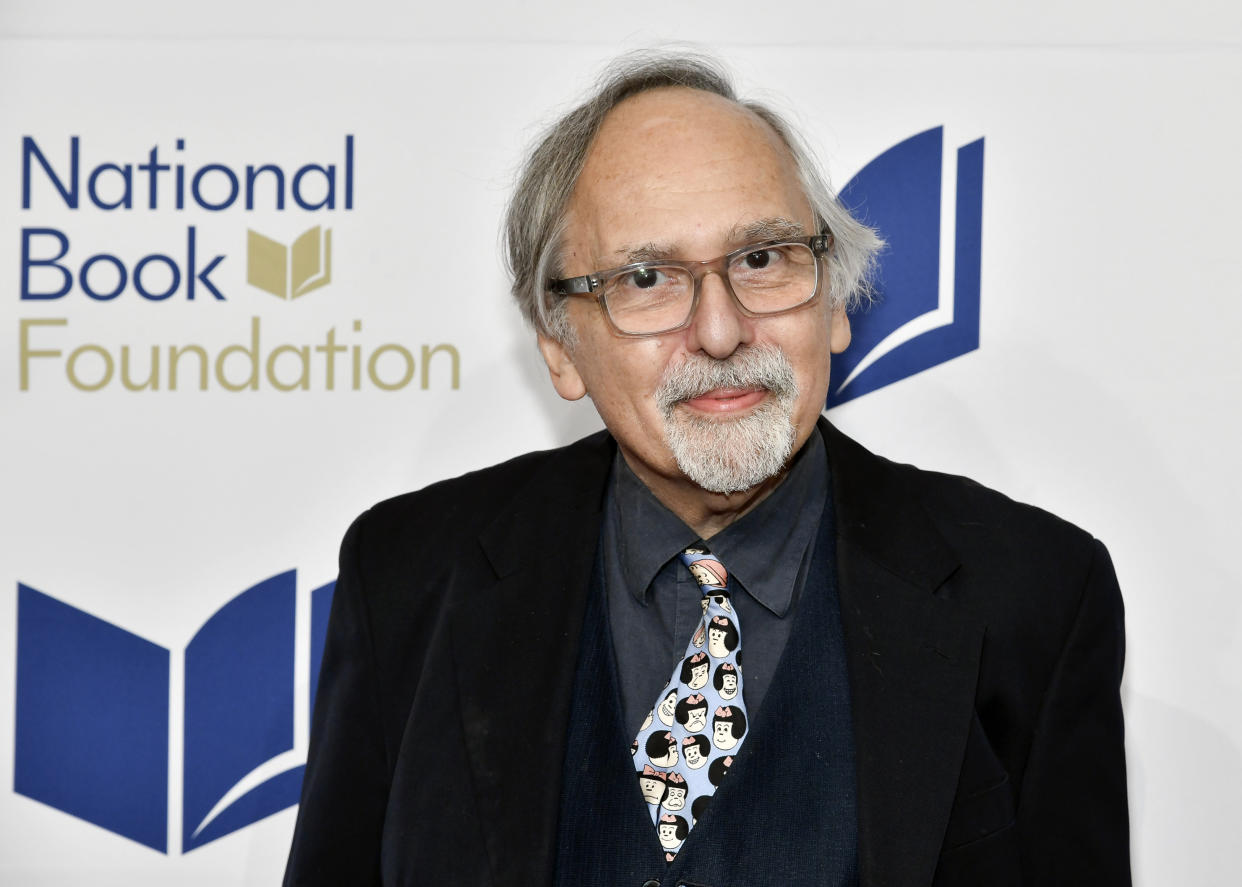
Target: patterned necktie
<point>679,759</point>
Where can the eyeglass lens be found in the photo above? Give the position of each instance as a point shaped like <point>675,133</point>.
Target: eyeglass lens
<point>654,298</point>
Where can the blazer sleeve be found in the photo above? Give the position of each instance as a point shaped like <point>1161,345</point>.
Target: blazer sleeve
<point>345,788</point>
<point>1073,813</point>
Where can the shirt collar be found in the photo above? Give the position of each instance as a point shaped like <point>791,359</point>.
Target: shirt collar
<point>763,549</point>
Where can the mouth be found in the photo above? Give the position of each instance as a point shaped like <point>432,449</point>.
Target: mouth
<point>706,388</point>
<point>726,400</point>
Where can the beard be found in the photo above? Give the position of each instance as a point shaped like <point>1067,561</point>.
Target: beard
<point>730,455</point>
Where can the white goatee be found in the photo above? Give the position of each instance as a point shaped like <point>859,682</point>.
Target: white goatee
<point>730,455</point>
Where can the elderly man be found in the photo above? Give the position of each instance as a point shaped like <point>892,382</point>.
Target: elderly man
<point>721,643</point>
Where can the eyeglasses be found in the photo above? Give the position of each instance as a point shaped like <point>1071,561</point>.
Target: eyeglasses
<point>649,298</point>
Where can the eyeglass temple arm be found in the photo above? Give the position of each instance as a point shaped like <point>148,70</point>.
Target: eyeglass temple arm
<point>574,285</point>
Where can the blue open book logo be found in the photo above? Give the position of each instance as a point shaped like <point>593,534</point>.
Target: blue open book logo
<point>911,327</point>
<point>92,734</point>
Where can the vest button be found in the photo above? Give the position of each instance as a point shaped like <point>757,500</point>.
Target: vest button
<point>651,883</point>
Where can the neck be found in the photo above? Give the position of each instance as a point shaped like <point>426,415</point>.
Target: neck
<point>705,512</point>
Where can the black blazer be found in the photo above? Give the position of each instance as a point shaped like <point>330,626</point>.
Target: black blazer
<point>985,646</point>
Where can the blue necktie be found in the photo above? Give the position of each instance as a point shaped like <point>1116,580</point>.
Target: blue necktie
<point>688,741</point>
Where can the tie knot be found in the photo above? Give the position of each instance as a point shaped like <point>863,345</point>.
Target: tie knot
<point>706,569</point>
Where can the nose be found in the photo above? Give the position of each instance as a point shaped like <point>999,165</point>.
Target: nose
<point>719,327</point>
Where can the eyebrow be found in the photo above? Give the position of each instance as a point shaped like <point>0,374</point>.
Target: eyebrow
<point>770,228</point>
<point>646,252</point>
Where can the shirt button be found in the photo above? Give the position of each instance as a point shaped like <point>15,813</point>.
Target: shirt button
<point>651,883</point>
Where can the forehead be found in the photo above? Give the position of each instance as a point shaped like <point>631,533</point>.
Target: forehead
<point>677,170</point>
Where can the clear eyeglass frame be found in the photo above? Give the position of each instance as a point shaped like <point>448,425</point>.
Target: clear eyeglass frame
<point>594,284</point>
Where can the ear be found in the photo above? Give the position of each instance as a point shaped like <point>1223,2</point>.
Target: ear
<point>560,361</point>
<point>838,331</point>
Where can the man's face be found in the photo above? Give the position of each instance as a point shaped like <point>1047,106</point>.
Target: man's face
<point>685,175</point>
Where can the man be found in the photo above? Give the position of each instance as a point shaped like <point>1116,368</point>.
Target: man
<point>929,688</point>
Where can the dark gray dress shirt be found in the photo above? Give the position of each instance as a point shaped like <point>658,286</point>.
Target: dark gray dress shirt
<point>653,602</point>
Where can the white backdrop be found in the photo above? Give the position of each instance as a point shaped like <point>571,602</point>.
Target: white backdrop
<point>1104,388</point>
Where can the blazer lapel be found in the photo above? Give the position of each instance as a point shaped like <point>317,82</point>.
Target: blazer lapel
<point>913,663</point>
<point>515,646</point>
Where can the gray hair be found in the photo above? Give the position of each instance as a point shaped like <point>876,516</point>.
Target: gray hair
<point>535,220</point>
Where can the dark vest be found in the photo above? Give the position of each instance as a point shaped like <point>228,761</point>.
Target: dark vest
<point>786,813</point>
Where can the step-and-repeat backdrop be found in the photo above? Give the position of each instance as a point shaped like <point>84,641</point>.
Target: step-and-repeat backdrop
<point>250,284</point>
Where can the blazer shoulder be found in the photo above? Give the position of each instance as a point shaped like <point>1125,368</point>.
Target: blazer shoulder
<point>898,510</point>
<point>964,503</point>
<point>406,561</point>
<point>873,487</point>
<point>968,511</point>
<point>439,517</point>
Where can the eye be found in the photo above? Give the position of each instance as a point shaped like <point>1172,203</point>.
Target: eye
<point>646,278</point>
<point>760,259</point>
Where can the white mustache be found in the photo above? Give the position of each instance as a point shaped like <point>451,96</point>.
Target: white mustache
<point>753,366</point>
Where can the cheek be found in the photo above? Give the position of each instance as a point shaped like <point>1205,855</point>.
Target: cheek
<point>618,369</point>
<point>809,352</point>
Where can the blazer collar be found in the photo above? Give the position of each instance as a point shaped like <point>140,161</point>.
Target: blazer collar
<point>913,662</point>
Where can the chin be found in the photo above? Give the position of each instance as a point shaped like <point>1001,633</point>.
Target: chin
<point>732,455</point>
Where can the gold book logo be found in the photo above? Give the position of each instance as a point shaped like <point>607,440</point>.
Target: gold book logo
<point>289,271</point>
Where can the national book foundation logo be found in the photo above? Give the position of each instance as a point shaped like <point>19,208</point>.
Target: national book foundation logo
<point>64,270</point>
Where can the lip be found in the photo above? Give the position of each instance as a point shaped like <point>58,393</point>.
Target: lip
<point>722,401</point>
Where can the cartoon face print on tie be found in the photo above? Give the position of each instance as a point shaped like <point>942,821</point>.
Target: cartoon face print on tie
<point>699,636</point>
<point>672,830</point>
<point>652,784</point>
<point>667,708</point>
<point>675,797</point>
<point>694,671</point>
<point>725,680</point>
<point>634,748</point>
<point>709,572</point>
<point>721,636</point>
<point>692,713</point>
<point>662,749</point>
<point>716,772</point>
<point>695,749</point>
<point>728,727</point>
<point>722,602</point>
<point>647,720</point>
<point>699,807</point>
